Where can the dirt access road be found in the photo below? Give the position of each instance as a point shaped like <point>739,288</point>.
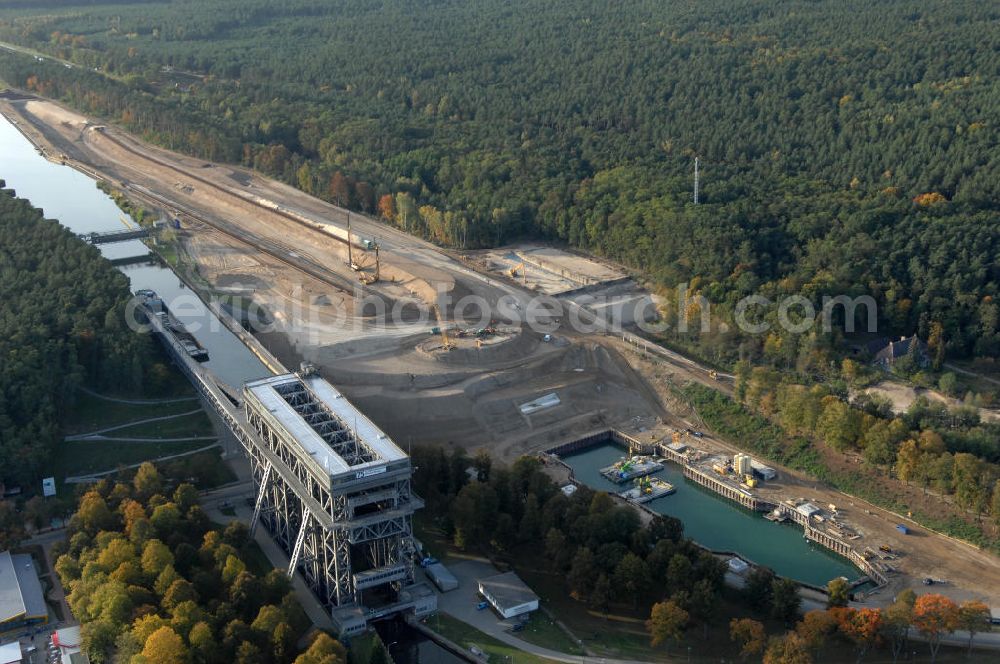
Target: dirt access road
<point>244,237</point>
<point>395,369</point>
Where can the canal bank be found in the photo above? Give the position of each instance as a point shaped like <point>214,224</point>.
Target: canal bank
<point>716,523</point>
<point>73,198</point>
<point>235,356</point>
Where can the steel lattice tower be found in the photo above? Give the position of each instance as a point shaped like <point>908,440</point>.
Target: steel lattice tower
<point>334,492</point>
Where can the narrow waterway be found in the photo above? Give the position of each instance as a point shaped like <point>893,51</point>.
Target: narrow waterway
<point>408,646</point>
<point>722,525</point>
<point>74,199</point>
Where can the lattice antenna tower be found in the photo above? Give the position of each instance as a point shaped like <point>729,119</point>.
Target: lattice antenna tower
<point>696,180</point>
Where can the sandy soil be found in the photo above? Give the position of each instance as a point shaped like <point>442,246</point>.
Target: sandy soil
<point>902,397</point>
<point>300,277</point>
<point>467,397</point>
<point>545,269</point>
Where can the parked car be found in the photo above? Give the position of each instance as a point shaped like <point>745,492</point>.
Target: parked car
<point>481,606</point>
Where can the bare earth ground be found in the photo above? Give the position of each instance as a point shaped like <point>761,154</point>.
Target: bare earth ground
<point>395,370</point>
<point>902,396</point>
<point>467,397</point>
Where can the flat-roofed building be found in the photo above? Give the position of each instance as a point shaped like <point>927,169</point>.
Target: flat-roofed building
<point>21,600</point>
<point>10,653</point>
<point>68,642</point>
<point>508,594</point>
<point>764,472</point>
<point>442,577</point>
<point>807,510</point>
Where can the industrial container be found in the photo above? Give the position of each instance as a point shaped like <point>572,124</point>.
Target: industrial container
<point>441,577</point>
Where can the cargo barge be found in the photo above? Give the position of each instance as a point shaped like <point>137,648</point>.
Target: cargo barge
<point>157,307</point>
<point>647,489</point>
<point>631,468</point>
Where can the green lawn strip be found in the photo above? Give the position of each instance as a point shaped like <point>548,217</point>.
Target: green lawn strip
<point>543,631</point>
<point>84,457</point>
<point>196,424</point>
<point>169,253</point>
<point>978,383</point>
<point>255,560</point>
<point>90,412</point>
<point>466,636</point>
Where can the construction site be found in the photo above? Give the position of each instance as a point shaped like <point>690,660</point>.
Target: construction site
<point>383,314</point>
<point>430,344</point>
<point>603,288</point>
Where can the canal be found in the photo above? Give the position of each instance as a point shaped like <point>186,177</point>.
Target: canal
<point>408,646</point>
<point>721,525</point>
<point>74,199</point>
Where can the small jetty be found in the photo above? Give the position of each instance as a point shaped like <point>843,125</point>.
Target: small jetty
<point>631,468</point>
<point>158,308</point>
<point>647,489</point>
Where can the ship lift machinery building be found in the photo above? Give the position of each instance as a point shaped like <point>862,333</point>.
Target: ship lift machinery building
<point>334,492</point>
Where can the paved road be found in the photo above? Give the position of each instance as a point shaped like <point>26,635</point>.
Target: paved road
<point>21,50</point>
<point>461,604</point>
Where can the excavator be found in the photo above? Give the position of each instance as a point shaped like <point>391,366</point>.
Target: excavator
<point>524,273</point>
<point>369,278</point>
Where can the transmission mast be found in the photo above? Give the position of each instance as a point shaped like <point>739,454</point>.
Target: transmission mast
<point>696,180</point>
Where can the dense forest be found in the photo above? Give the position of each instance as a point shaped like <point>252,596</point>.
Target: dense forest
<point>847,147</point>
<point>62,326</point>
<point>153,581</point>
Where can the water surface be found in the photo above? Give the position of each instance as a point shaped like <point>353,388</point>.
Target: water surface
<point>75,201</point>
<point>722,525</point>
